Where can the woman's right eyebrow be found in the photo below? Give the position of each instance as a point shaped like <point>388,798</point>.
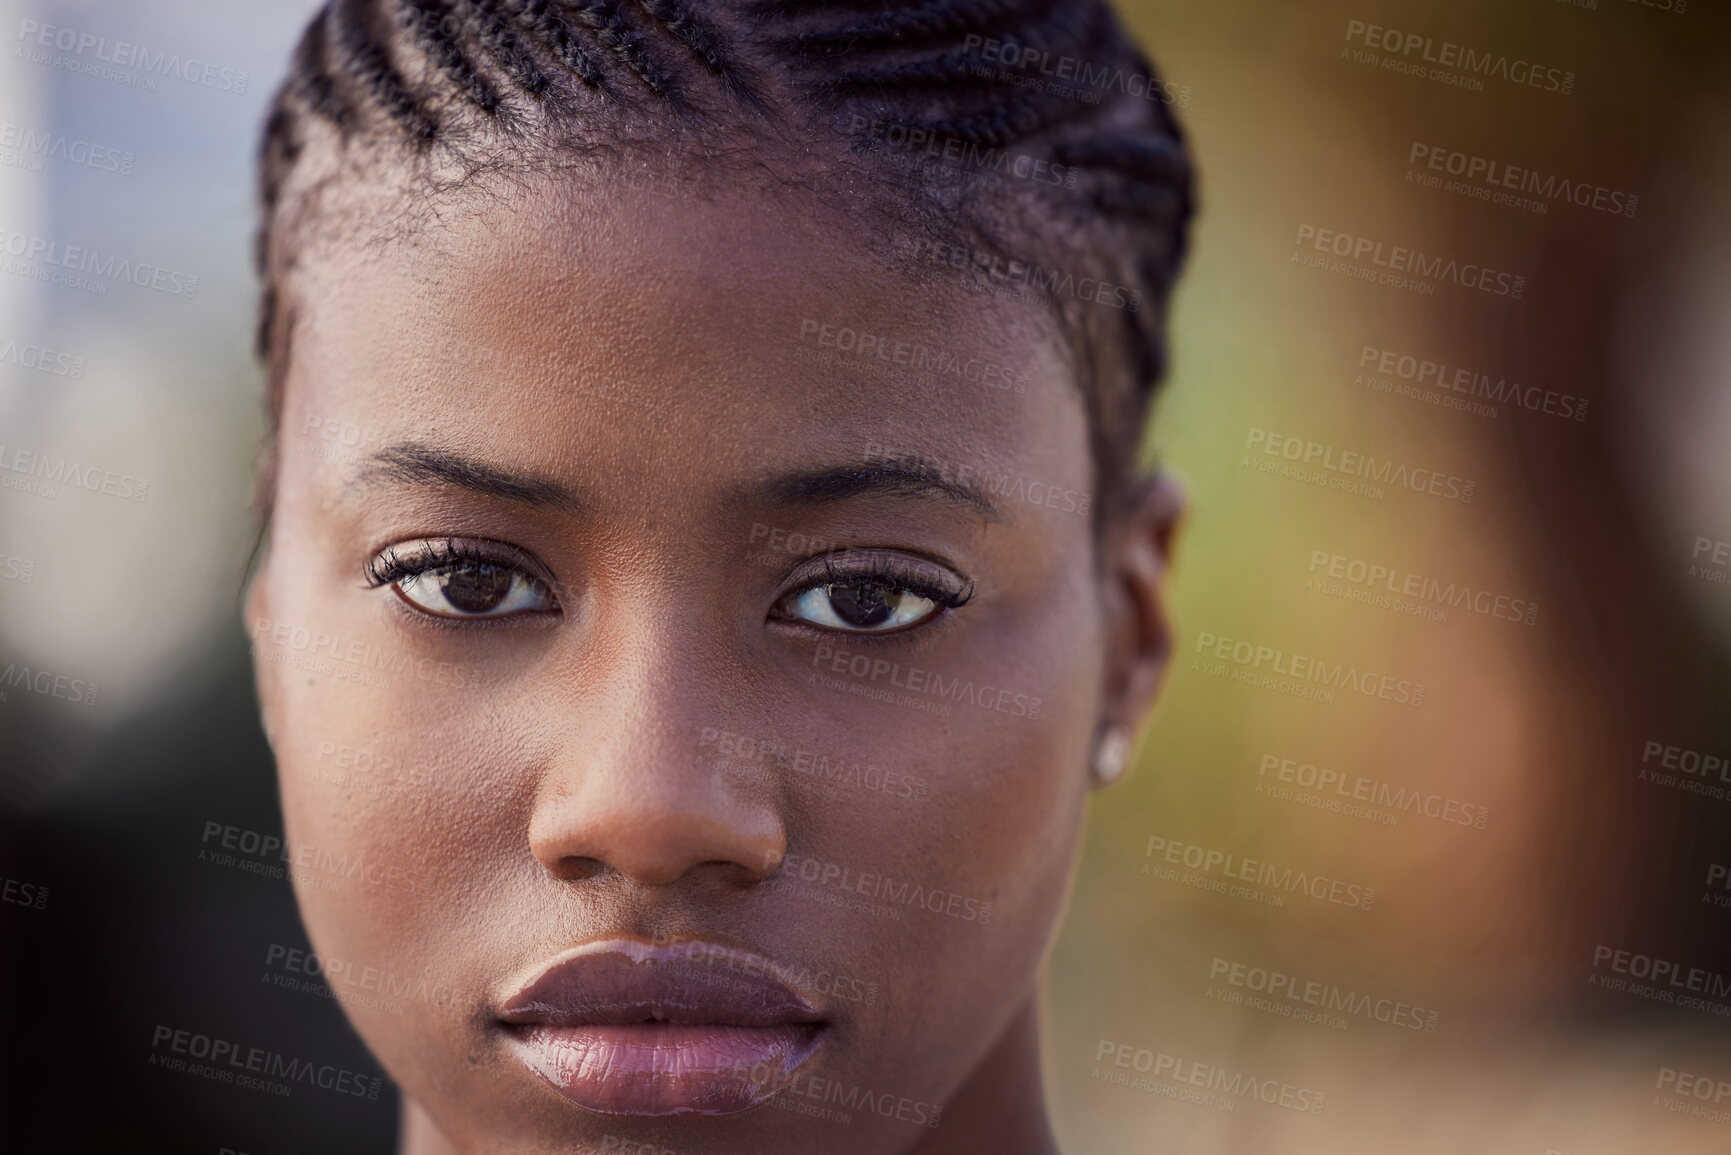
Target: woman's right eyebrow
<point>427,466</point>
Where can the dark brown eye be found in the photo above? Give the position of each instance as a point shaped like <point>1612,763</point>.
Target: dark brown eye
<point>473,589</point>
<point>861,606</point>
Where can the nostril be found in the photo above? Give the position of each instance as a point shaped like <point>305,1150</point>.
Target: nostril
<point>652,829</point>
<point>748,874</point>
<point>576,868</point>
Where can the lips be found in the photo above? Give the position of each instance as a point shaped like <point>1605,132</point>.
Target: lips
<point>625,1028</point>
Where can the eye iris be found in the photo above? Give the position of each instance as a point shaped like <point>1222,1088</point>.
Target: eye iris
<point>475,589</point>
<point>863,604</point>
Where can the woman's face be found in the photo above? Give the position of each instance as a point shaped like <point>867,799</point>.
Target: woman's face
<point>642,751</point>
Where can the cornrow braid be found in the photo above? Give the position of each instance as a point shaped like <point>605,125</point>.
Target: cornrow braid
<point>679,22</point>
<point>363,62</point>
<point>941,20</point>
<point>414,88</point>
<point>505,47</point>
<point>920,72</point>
<point>881,58</point>
<point>436,26</point>
<point>542,22</point>
<point>313,70</point>
<point>605,18</point>
<point>705,46</point>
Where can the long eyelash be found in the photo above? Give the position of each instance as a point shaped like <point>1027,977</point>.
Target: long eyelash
<point>897,572</point>
<point>426,556</point>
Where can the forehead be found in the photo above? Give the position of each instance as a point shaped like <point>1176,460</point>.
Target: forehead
<point>567,325</point>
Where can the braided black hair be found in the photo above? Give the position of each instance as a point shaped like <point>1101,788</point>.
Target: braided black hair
<point>927,99</point>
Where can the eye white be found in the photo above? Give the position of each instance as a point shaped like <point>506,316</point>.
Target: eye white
<point>814,606</point>
<point>426,591</point>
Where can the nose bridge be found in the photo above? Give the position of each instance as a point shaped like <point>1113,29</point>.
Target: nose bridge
<point>625,787</point>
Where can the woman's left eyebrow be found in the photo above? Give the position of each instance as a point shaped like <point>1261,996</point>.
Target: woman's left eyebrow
<point>905,475</point>
<point>417,464</point>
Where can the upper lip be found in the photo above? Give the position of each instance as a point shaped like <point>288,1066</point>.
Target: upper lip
<point>623,981</point>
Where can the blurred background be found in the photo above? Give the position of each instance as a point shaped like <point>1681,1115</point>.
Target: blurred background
<point>1535,845</point>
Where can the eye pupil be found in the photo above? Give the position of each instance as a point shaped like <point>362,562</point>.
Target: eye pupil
<point>475,589</point>
<point>862,604</point>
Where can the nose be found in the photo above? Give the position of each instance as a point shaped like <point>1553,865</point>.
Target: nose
<point>626,789</point>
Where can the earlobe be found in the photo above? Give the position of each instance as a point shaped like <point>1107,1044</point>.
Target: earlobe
<point>1164,504</point>
<point>1112,754</point>
<point>1139,644</point>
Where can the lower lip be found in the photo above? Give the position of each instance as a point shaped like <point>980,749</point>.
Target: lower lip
<point>665,1068</point>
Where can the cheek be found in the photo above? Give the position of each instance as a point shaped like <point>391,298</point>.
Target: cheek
<point>396,876</point>
<point>994,839</point>
<point>1014,799</point>
<point>352,816</point>
<point>394,785</point>
<point>375,820</point>
<point>1008,783</point>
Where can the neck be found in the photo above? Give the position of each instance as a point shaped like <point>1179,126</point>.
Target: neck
<point>418,1135</point>
<point>999,1110</point>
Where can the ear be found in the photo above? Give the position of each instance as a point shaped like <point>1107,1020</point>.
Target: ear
<point>1136,557</point>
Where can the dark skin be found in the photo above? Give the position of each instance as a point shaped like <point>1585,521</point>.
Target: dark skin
<point>617,391</point>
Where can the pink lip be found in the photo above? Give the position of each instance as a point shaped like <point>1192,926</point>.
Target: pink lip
<point>625,1028</point>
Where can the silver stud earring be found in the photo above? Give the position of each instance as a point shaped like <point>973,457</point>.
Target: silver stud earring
<point>1112,755</point>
